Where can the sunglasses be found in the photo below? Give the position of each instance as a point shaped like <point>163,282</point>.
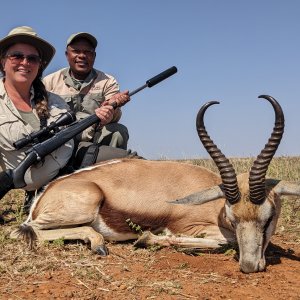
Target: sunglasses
<point>18,57</point>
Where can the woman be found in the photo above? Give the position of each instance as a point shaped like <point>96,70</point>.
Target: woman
<point>25,106</point>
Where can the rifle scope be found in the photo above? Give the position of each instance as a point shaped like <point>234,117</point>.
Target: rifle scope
<point>65,119</point>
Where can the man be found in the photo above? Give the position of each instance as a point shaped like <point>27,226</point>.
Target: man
<point>85,89</point>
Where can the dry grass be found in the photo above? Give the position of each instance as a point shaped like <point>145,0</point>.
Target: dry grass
<point>283,167</point>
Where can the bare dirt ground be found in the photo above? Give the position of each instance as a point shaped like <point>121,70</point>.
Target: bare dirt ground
<point>61,270</point>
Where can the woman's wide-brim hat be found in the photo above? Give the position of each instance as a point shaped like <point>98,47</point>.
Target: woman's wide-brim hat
<point>25,34</point>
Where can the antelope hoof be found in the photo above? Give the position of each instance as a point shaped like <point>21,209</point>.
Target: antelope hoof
<point>101,250</point>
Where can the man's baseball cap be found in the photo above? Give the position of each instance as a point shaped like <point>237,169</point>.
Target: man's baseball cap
<point>82,35</point>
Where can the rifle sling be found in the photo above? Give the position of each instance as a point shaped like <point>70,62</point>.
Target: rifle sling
<point>90,156</point>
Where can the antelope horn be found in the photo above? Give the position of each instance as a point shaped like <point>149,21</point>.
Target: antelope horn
<point>260,166</point>
<point>229,180</point>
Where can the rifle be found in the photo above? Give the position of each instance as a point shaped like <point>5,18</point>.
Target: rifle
<point>14,178</point>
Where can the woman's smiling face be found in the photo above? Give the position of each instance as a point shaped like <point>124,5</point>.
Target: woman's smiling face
<point>21,63</point>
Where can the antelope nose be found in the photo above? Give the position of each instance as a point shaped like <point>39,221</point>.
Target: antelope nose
<point>249,266</point>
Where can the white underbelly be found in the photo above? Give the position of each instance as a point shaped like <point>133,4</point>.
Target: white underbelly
<point>109,233</point>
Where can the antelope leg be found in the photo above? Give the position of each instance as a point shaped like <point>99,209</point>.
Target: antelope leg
<point>148,239</point>
<point>85,233</point>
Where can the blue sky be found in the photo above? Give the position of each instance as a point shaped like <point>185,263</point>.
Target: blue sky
<point>231,51</point>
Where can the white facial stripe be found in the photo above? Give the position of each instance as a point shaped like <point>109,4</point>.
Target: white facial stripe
<point>228,211</point>
<point>265,211</point>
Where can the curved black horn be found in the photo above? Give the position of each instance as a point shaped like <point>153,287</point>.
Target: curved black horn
<point>260,166</point>
<point>226,169</point>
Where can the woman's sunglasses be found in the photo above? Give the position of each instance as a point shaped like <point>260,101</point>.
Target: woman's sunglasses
<point>18,57</point>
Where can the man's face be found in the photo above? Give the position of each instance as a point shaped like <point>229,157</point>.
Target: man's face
<point>81,57</point>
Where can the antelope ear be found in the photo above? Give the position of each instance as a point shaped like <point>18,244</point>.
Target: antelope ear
<point>201,197</point>
<point>283,187</point>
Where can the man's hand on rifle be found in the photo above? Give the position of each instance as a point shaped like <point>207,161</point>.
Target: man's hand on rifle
<point>106,111</point>
<point>120,98</point>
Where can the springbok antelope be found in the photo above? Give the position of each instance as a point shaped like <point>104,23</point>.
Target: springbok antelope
<point>94,204</point>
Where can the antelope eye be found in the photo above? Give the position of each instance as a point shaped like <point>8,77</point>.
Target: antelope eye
<point>268,223</point>
<point>232,223</point>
